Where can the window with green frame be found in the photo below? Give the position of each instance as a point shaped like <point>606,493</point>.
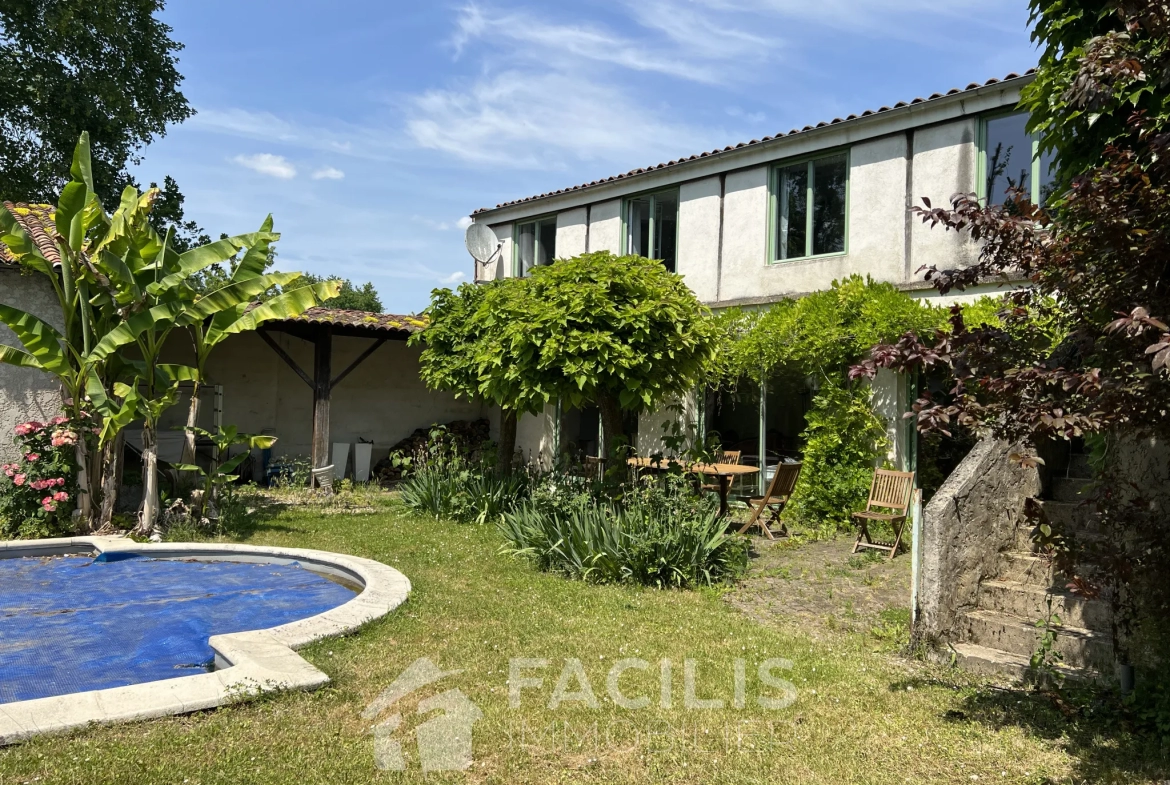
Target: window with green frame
<point>535,245</point>
<point>651,227</point>
<point>1009,157</point>
<point>810,207</point>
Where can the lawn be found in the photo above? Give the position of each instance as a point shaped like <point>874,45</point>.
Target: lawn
<point>862,712</point>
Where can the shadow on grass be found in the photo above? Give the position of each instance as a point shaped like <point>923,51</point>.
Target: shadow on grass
<point>1091,723</point>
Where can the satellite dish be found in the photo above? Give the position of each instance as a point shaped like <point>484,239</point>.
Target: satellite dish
<point>483,245</point>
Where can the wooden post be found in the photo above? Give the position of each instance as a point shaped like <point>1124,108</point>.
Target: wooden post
<point>322,392</point>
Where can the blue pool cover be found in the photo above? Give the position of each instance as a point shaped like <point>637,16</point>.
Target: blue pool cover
<point>69,624</point>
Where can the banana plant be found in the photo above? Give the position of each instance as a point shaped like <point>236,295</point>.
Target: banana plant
<point>121,286</point>
<point>242,317</point>
<point>221,473</point>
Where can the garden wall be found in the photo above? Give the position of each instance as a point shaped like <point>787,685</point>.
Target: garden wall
<point>25,394</point>
<point>968,522</point>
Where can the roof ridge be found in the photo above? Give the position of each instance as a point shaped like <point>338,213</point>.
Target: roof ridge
<point>728,148</point>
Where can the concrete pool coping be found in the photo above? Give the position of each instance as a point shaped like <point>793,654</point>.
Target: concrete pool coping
<point>246,663</point>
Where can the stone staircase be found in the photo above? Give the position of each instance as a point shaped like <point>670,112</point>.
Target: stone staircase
<point>999,635</point>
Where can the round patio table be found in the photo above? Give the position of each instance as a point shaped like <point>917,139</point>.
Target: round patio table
<point>724,472</point>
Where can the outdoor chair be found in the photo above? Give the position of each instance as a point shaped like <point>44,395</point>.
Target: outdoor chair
<point>890,491</point>
<point>779,491</point>
<point>727,456</point>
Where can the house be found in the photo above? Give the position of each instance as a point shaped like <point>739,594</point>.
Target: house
<point>778,217</point>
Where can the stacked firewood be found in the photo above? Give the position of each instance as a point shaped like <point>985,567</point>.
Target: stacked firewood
<point>469,438</point>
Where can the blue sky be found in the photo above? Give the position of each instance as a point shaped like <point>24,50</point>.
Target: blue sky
<point>371,129</point>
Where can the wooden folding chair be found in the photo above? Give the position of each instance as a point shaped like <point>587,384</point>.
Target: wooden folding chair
<point>779,490</point>
<point>890,491</point>
<point>727,456</point>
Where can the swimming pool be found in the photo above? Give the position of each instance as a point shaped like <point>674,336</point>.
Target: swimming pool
<point>76,623</point>
<point>101,629</point>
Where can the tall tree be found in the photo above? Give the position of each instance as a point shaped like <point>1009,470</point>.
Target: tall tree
<point>67,66</point>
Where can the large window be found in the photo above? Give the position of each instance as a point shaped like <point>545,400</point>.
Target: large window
<point>1010,158</point>
<point>810,201</point>
<point>652,227</point>
<point>536,245</point>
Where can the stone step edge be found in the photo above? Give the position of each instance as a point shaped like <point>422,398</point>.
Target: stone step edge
<point>1005,618</point>
<point>1032,588</point>
<point>983,659</point>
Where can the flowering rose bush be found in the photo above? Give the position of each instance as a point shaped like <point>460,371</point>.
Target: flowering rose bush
<point>36,490</point>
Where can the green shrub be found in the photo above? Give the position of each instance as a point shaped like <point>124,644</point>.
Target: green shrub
<point>843,440</point>
<point>443,483</point>
<point>655,535</point>
<point>38,492</point>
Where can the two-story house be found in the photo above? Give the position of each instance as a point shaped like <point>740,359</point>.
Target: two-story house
<point>782,216</point>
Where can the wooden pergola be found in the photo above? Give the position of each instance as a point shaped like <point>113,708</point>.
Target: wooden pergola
<point>319,326</point>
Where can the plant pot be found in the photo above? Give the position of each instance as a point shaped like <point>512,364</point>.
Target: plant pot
<point>340,459</point>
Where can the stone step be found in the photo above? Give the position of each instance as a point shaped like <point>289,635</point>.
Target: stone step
<point>1026,567</point>
<point>1030,602</point>
<point>1072,516</point>
<point>1069,489</point>
<point>1016,635</point>
<point>993,662</point>
<point>1079,467</point>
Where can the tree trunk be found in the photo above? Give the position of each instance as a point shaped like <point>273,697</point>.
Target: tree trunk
<point>189,434</point>
<point>506,449</point>
<point>111,478</point>
<point>148,515</point>
<point>611,424</point>
<point>84,491</point>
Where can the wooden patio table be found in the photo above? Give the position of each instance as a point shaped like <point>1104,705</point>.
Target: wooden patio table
<point>724,472</point>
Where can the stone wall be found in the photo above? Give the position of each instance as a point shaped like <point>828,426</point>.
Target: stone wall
<point>968,522</point>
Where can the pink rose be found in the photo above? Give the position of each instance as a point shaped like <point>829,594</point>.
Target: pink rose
<point>59,481</point>
<point>19,479</point>
<point>58,420</point>
<point>32,457</point>
<point>60,496</point>
<point>49,504</point>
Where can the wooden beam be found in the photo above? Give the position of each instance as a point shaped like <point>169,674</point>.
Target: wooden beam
<point>361,358</point>
<point>322,369</point>
<point>282,354</point>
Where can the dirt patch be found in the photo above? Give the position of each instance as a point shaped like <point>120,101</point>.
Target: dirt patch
<point>826,589</point>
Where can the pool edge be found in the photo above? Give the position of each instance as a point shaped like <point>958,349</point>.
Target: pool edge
<point>248,663</point>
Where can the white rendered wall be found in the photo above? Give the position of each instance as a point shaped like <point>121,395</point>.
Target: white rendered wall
<point>503,265</point>
<point>698,237</point>
<point>572,231</point>
<point>745,236</point>
<point>605,226</point>
<point>944,164</point>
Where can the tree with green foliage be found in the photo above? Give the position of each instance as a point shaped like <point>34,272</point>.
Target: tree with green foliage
<point>68,66</point>
<point>122,286</point>
<point>619,332</point>
<point>349,297</point>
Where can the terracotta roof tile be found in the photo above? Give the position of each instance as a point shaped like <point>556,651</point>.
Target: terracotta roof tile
<point>822,124</point>
<point>377,322</point>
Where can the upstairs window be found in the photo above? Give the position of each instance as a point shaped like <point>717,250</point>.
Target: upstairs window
<point>652,227</point>
<point>536,245</point>
<point>1010,158</point>
<point>809,211</point>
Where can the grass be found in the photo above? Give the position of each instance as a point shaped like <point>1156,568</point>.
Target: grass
<point>860,716</point>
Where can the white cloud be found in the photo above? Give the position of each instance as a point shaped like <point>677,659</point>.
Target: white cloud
<point>464,222</point>
<point>443,226</point>
<point>455,277</point>
<point>328,173</point>
<point>491,122</point>
<point>268,164</point>
<point>691,46</point>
